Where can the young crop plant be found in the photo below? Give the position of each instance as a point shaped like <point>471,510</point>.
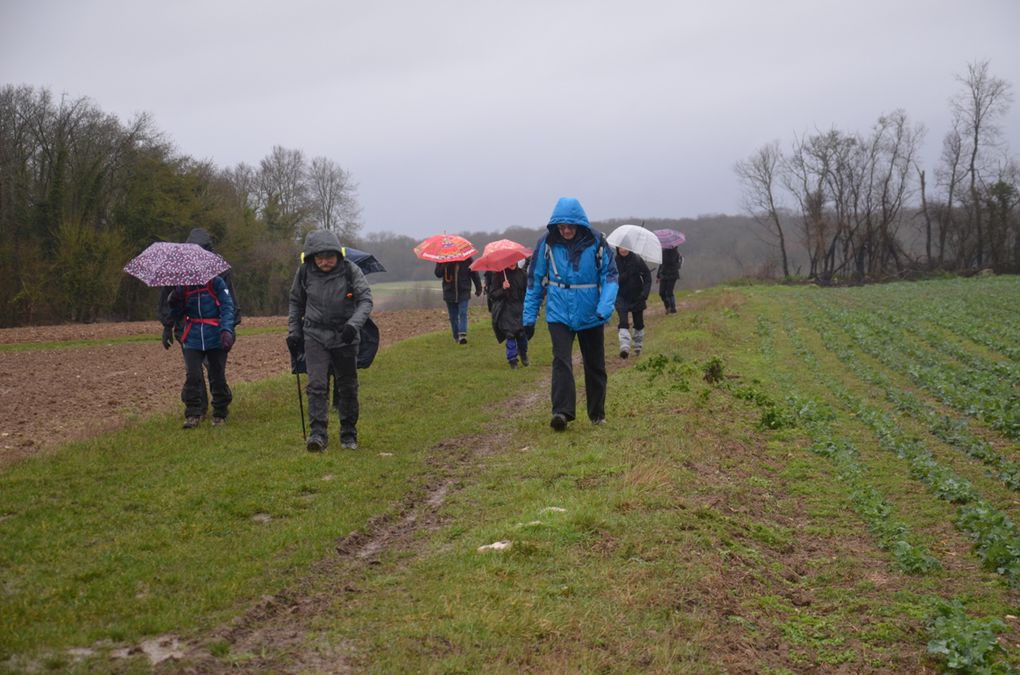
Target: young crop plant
<point>995,537</point>
<point>816,417</point>
<point>966,645</point>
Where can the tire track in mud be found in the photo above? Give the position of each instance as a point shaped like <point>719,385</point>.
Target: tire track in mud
<point>277,634</point>
<point>274,635</point>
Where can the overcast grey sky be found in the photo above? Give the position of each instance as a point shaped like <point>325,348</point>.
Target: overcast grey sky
<point>478,114</point>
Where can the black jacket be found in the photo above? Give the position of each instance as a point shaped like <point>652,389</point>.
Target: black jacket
<point>457,279</point>
<point>670,268</point>
<point>507,304</point>
<point>635,283</point>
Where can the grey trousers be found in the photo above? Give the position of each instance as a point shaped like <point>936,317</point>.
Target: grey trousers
<point>345,368</point>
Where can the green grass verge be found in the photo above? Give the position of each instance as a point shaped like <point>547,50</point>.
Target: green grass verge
<point>696,531</point>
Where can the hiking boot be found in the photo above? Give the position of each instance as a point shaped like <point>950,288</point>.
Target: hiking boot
<point>349,443</point>
<point>624,353</point>
<point>598,421</point>
<point>513,364</point>
<point>524,360</point>
<point>218,421</point>
<point>316,443</point>
<point>191,422</point>
<point>558,422</point>
<point>462,339</point>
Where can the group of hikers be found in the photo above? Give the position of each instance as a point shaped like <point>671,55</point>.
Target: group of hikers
<point>573,271</point>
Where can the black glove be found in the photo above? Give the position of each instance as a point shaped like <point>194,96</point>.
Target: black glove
<point>529,331</point>
<point>348,334</point>
<point>478,291</point>
<point>295,343</point>
<point>600,318</point>
<point>226,340</point>
<point>168,336</point>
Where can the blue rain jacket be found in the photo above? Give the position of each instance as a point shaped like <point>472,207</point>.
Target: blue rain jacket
<point>581,291</point>
<point>205,314</point>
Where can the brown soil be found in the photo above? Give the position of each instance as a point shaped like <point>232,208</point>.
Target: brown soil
<point>52,396</point>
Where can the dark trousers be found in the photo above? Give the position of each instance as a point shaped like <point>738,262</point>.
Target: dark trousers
<point>344,361</point>
<point>666,287</point>
<point>193,393</point>
<point>639,319</point>
<point>593,355</point>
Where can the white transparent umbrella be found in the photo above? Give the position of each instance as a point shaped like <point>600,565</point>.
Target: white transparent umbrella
<point>637,239</point>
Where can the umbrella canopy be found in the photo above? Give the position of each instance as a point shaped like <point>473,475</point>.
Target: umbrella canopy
<point>366,261</point>
<point>169,264</point>
<point>670,238</point>
<point>442,248</point>
<point>500,255</point>
<point>638,240</point>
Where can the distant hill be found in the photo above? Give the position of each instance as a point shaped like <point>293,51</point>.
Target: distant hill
<point>718,248</point>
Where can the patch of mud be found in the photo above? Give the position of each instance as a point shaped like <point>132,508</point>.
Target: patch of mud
<point>49,397</point>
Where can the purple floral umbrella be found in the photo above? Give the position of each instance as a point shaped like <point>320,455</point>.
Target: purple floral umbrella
<point>670,238</point>
<point>170,264</point>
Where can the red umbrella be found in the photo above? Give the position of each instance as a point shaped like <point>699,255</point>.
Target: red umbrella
<point>442,248</point>
<point>500,255</point>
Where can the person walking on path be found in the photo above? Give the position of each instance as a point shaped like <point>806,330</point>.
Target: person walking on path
<point>330,301</point>
<point>457,279</point>
<point>206,314</point>
<point>635,285</point>
<point>506,291</point>
<point>667,276</point>
<point>173,324</point>
<point>574,272</point>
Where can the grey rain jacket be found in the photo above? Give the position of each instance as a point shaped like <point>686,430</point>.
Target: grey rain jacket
<point>321,304</point>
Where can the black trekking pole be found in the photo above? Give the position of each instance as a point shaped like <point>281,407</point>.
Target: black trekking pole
<point>301,406</point>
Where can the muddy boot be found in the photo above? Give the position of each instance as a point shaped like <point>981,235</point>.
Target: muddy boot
<point>191,422</point>
<point>624,335</point>
<point>317,442</point>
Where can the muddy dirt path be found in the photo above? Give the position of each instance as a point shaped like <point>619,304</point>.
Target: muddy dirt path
<point>51,396</point>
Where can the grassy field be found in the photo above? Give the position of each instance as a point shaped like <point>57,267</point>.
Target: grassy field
<point>790,480</point>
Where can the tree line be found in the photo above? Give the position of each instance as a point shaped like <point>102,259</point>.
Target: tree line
<point>863,206</point>
<point>81,193</point>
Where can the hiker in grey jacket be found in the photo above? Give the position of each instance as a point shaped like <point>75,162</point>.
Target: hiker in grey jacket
<point>330,300</point>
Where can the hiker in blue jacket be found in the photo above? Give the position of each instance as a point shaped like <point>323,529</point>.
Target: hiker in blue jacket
<point>207,315</point>
<point>575,268</point>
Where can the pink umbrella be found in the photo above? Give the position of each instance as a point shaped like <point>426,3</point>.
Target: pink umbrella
<point>500,255</point>
<point>443,248</point>
<point>670,238</point>
<point>170,264</point>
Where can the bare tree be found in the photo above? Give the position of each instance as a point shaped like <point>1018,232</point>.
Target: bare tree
<point>333,195</point>
<point>283,192</point>
<point>983,99</point>
<point>759,177</point>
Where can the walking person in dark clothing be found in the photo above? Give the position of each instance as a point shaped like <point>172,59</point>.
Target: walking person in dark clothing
<point>635,285</point>
<point>192,315</point>
<point>457,279</point>
<point>173,325</point>
<point>667,276</point>
<point>575,267</point>
<point>330,301</point>
<point>207,315</point>
<point>506,291</point>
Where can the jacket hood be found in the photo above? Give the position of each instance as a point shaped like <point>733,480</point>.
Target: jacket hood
<point>200,236</point>
<point>568,211</point>
<point>321,241</point>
